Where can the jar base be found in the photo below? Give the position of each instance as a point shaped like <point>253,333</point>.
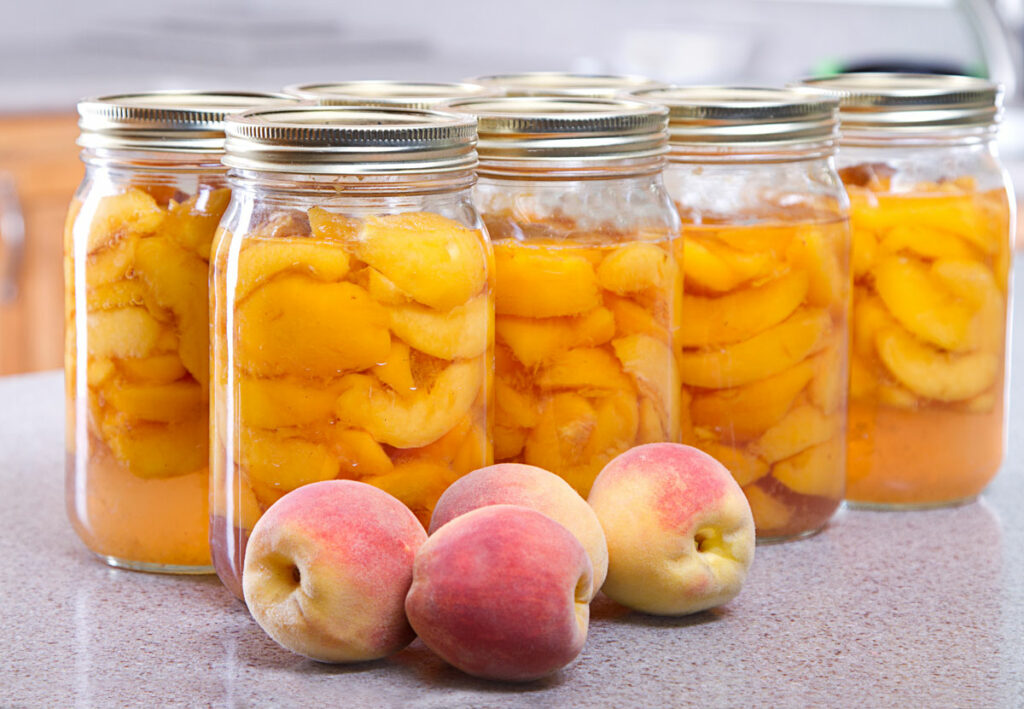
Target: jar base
<point>908,506</point>
<point>154,568</point>
<point>782,538</point>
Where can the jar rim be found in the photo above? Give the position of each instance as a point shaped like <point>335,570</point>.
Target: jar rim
<point>398,94</point>
<point>556,83</point>
<point>350,140</point>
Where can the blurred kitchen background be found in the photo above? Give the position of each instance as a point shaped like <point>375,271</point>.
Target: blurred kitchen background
<point>52,52</point>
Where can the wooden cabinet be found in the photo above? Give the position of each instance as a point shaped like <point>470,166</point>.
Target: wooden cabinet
<point>39,153</point>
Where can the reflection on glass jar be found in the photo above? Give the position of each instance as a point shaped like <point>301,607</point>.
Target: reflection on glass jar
<point>767,284</point>
<point>353,313</point>
<point>931,223</point>
<point>136,254</point>
<point>588,291</point>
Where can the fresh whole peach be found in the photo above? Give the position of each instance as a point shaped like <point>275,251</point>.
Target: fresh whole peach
<point>533,487</point>
<point>327,568</point>
<point>502,592</point>
<point>679,529</point>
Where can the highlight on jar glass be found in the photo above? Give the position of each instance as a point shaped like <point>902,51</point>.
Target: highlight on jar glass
<point>765,254</point>
<point>395,94</point>
<point>353,312</point>
<point>588,292</point>
<point>136,252</point>
<point>554,83</point>
<point>932,225</point>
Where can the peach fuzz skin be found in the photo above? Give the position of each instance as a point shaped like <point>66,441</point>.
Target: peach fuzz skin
<point>501,593</point>
<point>327,569</point>
<point>680,531</point>
<point>533,487</point>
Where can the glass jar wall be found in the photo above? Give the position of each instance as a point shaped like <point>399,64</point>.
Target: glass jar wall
<point>767,286</point>
<point>931,217</point>
<point>554,83</point>
<point>588,292</point>
<point>136,254</point>
<point>353,313</point>
<point>395,94</point>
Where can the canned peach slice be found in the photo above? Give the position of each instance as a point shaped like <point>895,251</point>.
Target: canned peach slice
<point>508,441</point>
<point>770,512</point>
<point>870,317</point>
<point>567,421</point>
<point>287,401</point>
<point>863,252</point>
<point>745,467</point>
<point>176,401</point>
<point>130,213</point>
<point>122,333</point>
<point>922,305</point>
<point>927,243</point>
<point>950,212</point>
<point>812,251</point>
<point>458,333</point>
<point>767,353</point>
<point>157,369</point>
<point>396,370</point>
<point>539,282</point>
<point>740,315</point>
<point>328,226</point>
<point>654,369</point>
<point>361,455</point>
<point>417,483</point>
<point>193,223</point>
<point>112,263</point>
<point>98,371</point>
<point>260,261</point>
<point>535,341</point>
<point>804,426</point>
<point>155,450</point>
<point>284,462</point>
<point>827,390</point>
<point>120,294</point>
<point>632,318</point>
<point>933,373</point>
<point>717,268</point>
<point>634,268</point>
<point>516,408</point>
<point>298,325</point>
<point>812,471</point>
<point>414,419</point>
<point>437,261</point>
<point>380,288</point>
<point>586,369</point>
<point>748,411</point>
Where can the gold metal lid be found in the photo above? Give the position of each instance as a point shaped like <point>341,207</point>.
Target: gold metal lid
<point>730,116</point>
<point>350,140</point>
<point>398,94</point>
<point>552,83</point>
<point>554,128</point>
<point>911,103</point>
<point>165,121</point>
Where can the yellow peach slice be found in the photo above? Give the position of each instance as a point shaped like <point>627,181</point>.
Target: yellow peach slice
<point>559,439</point>
<point>652,423</point>
<point>927,243</point>
<point>119,294</point>
<point>922,305</point>
<point>585,368</point>
<point>410,420</point>
<point>827,390</point>
<point>618,420</point>
<point>285,463</point>
<point>976,285</point>
<point>633,268</point>
<point>475,451</point>
<point>819,470</point>
<point>654,369</point>
<point>297,325</point>
<point>130,213</point>
<point>156,450</point>
<point>540,282</point>
<point>774,239</point>
<point>176,401</point>
<point>436,260</point>
<point>396,371</point>
<point>749,410</point>
<point>762,356</point>
<point>288,401</point>
<point>122,333</point>
<point>112,263</point>
<point>631,318</point>
<point>870,317</point>
<point>417,483</point>
<point>981,404</point>
<point>259,261</point>
<point>770,513</point>
<point>459,333</point>
<point>932,373</point>
<point>536,341</point>
<point>508,441</point>
<point>950,213</point>
<point>798,430</point>
<point>813,251</point>
<point>514,408</point>
<point>332,227</point>
<point>382,290</point>
<point>863,252</point>
<point>158,369</point>
<point>240,497</point>
<point>741,315</point>
<point>360,453</point>
<point>863,381</point>
<point>896,396</point>
<point>720,269</point>
<point>745,467</point>
<point>193,223</point>
<point>97,372</point>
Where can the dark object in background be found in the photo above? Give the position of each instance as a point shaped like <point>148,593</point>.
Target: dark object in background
<point>908,66</point>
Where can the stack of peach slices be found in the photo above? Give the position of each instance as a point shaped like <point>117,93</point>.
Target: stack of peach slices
<point>340,571</point>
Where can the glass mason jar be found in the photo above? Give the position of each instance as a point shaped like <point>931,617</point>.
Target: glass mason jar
<point>932,224</point>
<point>396,94</point>
<point>588,294</point>
<point>353,313</point>
<point>136,252</point>
<point>767,291</point>
<point>553,83</point>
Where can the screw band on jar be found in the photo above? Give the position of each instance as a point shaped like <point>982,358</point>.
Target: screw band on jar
<point>395,94</point>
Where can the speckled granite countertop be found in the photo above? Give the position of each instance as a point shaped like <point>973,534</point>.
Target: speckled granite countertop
<point>882,609</point>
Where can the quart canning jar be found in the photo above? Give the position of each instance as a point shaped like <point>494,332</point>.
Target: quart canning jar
<point>136,252</point>
<point>396,94</point>
<point>353,312</point>
<point>765,253</point>
<point>588,292</point>
<point>553,83</point>
<point>932,223</point>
